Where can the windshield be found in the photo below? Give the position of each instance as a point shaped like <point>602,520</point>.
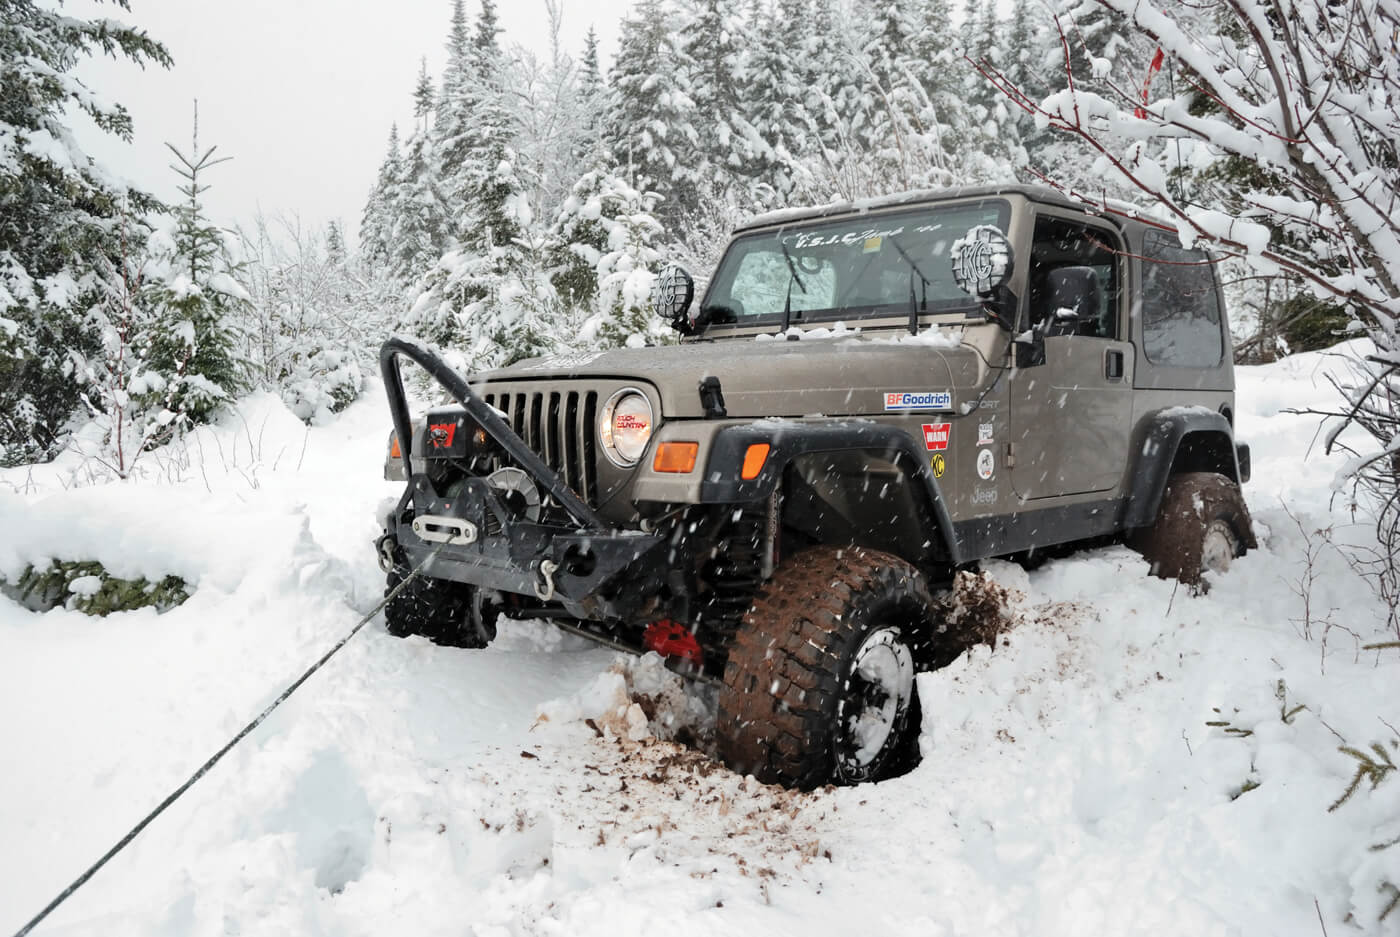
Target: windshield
<point>867,266</point>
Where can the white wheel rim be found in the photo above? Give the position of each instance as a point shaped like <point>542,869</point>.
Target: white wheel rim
<point>879,692</point>
<point>1218,547</point>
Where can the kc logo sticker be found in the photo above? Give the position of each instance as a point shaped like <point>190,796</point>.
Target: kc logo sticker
<point>936,435</point>
<point>938,464</point>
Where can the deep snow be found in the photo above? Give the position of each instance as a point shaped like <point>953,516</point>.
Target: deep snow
<point>1071,784</point>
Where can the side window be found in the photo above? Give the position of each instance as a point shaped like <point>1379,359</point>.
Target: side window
<point>1062,242</point>
<point>1180,305</point>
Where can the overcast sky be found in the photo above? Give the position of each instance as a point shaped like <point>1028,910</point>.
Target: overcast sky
<point>301,93</point>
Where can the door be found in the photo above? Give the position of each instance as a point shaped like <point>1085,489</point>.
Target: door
<point>1071,396</point>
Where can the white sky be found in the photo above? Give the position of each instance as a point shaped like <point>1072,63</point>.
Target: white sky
<point>300,93</point>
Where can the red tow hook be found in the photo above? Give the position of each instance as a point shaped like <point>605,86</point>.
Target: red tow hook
<point>672,639</point>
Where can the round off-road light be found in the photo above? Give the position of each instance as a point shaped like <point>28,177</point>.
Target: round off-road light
<point>625,426</point>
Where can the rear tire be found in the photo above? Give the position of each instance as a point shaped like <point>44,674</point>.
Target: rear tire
<point>1201,526</point>
<point>819,685</point>
<point>438,609</point>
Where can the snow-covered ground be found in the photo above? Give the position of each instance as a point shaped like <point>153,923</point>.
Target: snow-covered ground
<point>1071,784</point>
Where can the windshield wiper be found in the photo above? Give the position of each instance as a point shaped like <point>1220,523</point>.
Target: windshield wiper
<point>792,268</point>
<point>922,306</point>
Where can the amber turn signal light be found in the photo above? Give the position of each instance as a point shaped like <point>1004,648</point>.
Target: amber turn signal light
<point>678,457</point>
<point>754,458</point>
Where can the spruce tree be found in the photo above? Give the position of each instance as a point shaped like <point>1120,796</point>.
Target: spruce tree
<point>416,202</point>
<point>650,125</point>
<point>377,221</point>
<point>192,283</point>
<point>59,213</point>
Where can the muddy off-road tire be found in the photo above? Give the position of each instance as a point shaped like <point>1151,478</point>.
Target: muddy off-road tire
<point>1201,526</point>
<point>823,660</point>
<point>437,609</point>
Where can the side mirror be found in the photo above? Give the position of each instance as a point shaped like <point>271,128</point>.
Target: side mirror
<point>1072,295</point>
<point>982,260</point>
<point>672,295</point>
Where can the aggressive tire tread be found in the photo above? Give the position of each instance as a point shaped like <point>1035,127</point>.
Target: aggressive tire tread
<point>777,710</point>
<point>1190,502</point>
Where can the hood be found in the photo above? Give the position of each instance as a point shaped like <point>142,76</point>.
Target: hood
<point>838,376</point>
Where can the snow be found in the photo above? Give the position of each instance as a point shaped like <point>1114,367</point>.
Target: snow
<point>1071,784</point>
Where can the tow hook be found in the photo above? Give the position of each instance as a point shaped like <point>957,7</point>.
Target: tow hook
<point>544,580</point>
<point>386,546</point>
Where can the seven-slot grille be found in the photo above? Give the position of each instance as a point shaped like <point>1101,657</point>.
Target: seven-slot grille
<point>558,427</point>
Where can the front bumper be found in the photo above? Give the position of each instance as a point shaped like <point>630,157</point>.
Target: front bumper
<point>472,537</point>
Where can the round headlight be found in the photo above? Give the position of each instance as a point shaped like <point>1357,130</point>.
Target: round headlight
<point>625,426</point>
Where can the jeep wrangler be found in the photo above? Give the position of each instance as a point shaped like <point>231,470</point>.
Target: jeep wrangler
<point>867,399</point>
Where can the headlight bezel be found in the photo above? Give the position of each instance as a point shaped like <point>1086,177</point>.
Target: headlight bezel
<point>607,433</point>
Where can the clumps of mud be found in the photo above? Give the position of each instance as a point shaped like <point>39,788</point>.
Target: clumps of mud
<point>638,699</point>
<point>976,610</point>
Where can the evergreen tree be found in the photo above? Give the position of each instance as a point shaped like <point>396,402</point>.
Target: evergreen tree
<point>59,213</point>
<point>722,154</point>
<point>192,273</point>
<point>650,127</point>
<point>416,202</point>
<point>776,96</point>
<point>377,221</point>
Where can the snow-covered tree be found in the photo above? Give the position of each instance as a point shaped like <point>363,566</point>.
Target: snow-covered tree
<point>191,276</point>
<point>417,203</point>
<point>316,315</point>
<point>603,257</point>
<point>60,212</point>
<point>650,126</point>
<point>377,221</point>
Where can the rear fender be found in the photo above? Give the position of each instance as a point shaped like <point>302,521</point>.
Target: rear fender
<point>1182,439</point>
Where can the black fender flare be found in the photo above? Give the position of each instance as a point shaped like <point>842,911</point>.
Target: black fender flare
<point>723,484</point>
<point>1203,438</point>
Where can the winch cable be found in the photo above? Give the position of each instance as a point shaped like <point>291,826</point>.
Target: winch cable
<point>215,758</point>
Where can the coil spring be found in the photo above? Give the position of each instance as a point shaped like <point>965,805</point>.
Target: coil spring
<point>734,575</point>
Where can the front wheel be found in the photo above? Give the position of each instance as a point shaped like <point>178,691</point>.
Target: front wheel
<point>1202,525</point>
<point>447,612</point>
<point>819,686</point>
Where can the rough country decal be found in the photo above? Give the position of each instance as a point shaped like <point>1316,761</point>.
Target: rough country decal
<point>918,400</point>
<point>936,435</point>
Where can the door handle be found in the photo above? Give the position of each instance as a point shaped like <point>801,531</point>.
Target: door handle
<point>1113,364</point>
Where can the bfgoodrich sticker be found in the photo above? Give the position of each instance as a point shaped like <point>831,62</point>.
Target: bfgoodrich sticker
<point>918,400</point>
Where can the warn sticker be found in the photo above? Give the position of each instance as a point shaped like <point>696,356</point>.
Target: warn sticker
<point>918,400</point>
<point>936,435</point>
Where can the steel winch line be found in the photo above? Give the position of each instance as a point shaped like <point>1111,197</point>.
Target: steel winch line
<point>217,756</point>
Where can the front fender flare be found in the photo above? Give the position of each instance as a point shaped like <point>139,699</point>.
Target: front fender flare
<point>790,439</point>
